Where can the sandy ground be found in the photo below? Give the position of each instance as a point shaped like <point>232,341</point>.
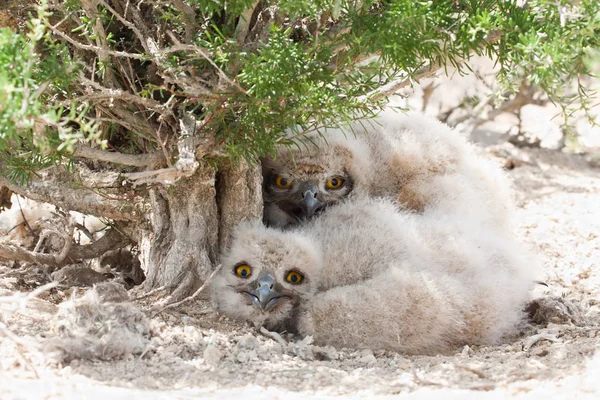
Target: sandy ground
<point>193,352</point>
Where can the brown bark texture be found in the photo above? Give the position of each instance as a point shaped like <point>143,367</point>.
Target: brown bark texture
<point>191,223</point>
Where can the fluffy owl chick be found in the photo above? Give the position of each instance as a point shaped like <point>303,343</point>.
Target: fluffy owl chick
<point>433,281</point>
<point>265,276</point>
<point>392,279</point>
<point>299,184</point>
<point>409,158</point>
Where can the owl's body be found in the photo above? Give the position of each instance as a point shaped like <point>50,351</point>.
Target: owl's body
<point>414,160</point>
<point>383,278</point>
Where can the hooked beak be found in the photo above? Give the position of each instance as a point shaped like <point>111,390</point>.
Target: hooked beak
<point>310,204</point>
<point>305,207</point>
<point>264,297</point>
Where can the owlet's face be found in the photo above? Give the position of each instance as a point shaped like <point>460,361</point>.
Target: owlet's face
<point>265,276</point>
<point>298,186</point>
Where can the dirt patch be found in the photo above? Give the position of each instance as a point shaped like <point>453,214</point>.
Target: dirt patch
<point>194,352</point>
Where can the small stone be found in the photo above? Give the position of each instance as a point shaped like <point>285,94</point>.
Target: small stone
<point>367,357</point>
<point>303,351</point>
<point>327,353</point>
<point>192,333</point>
<point>466,351</point>
<point>559,354</point>
<point>212,340</point>
<point>252,355</point>
<point>212,354</point>
<point>365,353</point>
<point>247,342</point>
<point>307,340</point>
<point>539,352</point>
<point>242,357</point>
<point>277,348</point>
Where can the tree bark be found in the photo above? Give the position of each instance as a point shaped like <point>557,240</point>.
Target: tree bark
<point>239,197</point>
<point>192,222</point>
<point>180,228</point>
<point>88,192</point>
<point>181,248</point>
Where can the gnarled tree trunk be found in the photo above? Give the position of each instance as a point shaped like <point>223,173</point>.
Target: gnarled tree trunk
<point>180,228</point>
<point>192,222</point>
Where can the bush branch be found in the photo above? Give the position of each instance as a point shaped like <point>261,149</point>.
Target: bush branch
<point>70,253</point>
<point>426,71</point>
<point>137,160</point>
<point>96,195</point>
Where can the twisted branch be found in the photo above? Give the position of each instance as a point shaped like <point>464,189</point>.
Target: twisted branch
<point>70,253</point>
<point>137,160</point>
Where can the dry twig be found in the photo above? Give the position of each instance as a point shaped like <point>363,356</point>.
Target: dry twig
<point>193,296</point>
<point>69,253</point>
<point>137,160</point>
<point>273,335</point>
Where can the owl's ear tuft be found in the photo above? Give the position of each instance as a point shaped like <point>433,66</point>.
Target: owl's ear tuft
<point>267,164</point>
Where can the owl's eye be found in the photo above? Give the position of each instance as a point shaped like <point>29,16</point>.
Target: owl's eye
<point>334,183</point>
<point>242,270</point>
<point>294,277</point>
<point>283,183</point>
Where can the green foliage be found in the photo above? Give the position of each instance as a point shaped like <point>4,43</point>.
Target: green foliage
<point>310,65</point>
<point>34,129</point>
<point>548,43</point>
<point>285,78</point>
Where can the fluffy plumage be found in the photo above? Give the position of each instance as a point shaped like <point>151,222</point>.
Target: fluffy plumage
<point>298,184</point>
<point>101,325</point>
<point>390,279</point>
<point>267,253</point>
<point>415,160</point>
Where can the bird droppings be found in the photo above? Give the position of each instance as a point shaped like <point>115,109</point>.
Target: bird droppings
<point>191,354</point>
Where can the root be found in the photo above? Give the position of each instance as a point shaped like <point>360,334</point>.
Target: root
<point>192,297</point>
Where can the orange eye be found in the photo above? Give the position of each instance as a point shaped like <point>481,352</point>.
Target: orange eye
<point>334,183</point>
<point>294,277</point>
<point>283,183</point>
<point>242,270</point>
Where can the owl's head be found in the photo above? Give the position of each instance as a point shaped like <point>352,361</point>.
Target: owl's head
<point>266,275</point>
<point>302,181</point>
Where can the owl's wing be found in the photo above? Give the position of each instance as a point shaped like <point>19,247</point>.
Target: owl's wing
<point>410,312</point>
<point>423,163</point>
<point>398,311</point>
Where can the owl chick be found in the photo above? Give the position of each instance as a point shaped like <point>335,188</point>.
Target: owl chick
<point>373,276</point>
<point>266,275</point>
<point>412,159</point>
<point>299,184</point>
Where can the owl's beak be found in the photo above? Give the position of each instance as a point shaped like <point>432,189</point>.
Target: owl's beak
<point>310,204</point>
<point>264,297</point>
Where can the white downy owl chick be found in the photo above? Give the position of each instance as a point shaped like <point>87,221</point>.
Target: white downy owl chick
<point>389,279</point>
<point>266,275</point>
<point>415,160</point>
